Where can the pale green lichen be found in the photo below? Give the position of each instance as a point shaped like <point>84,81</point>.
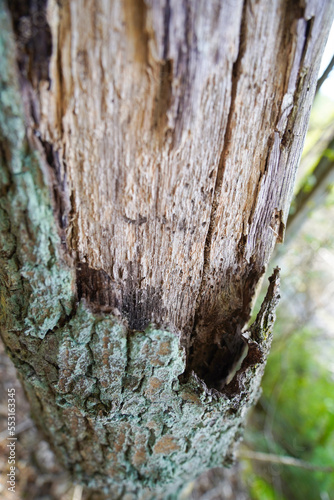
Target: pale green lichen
<point>27,220</point>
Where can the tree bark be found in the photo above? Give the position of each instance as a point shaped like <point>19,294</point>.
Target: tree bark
<point>149,151</point>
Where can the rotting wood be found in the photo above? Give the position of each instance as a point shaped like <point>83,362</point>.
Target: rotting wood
<point>166,137</point>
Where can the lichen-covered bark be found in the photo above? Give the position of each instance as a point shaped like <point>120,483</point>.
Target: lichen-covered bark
<point>147,157</point>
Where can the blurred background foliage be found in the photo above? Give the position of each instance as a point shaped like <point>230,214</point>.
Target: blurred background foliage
<point>295,413</point>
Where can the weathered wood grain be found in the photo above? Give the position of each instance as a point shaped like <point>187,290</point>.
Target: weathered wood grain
<point>178,126</point>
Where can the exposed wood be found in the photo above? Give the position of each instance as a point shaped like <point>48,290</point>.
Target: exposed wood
<point>147,185</point>
<point>171,122</point>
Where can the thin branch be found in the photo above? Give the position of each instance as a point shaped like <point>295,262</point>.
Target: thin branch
<point>325,74</point>
<point>278,459</point>
<point>323,176</point>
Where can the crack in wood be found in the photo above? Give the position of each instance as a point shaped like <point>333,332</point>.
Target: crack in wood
<point>220,171</point>
<point>197,360</point>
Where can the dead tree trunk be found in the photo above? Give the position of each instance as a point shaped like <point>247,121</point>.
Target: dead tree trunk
<point>148,154</point>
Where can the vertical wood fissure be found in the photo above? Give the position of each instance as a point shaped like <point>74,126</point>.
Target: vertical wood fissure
<point>221,164</point>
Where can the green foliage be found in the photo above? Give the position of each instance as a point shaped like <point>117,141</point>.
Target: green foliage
<point>261,489</point>
<point>295,417</point>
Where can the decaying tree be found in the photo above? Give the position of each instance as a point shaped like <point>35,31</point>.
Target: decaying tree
<point>148,154</point>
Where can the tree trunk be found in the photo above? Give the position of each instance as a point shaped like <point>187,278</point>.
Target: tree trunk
<point>148,154</point>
